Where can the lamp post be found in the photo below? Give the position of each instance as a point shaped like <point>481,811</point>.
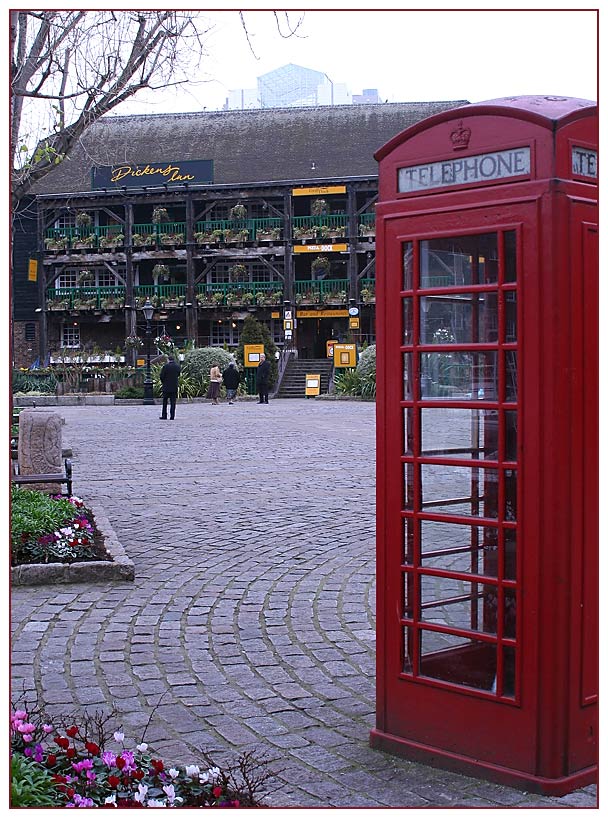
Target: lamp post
<point>148,311</point>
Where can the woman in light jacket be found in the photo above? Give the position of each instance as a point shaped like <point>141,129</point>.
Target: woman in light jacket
<point>215,380</point>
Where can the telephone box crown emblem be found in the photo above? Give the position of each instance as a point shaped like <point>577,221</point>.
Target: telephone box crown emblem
<point>460,136</point>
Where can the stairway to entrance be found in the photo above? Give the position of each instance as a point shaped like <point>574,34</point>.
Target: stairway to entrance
<point>293,384</point>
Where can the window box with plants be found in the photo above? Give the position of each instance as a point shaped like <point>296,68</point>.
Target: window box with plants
<point>268,234</point>
<point>112,302</point>
<point>368,295</point>
<point>171,239</point>
<point>304,233</point>
<point>57,243</point>
<point>84,303</point>
<point>366,230</point>
<point>140,240</point>
<point>59,304</point>
<point>236,236</point>
<point>336,297</point>
<point>111,241</point>
<point>84,242</point>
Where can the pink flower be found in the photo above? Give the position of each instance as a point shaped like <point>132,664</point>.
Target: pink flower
<point>26,728</point>
<point>20,715</point>
<point>47,728</point>
<point>28,737</point>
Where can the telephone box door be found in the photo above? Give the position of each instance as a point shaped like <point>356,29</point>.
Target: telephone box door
<point>455,488</point>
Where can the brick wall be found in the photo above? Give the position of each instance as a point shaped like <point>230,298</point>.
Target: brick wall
<point>25,350</point>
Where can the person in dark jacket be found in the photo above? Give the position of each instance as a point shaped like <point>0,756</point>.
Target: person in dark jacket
<point>262,379</point>
<point>169,377</point>
<point>232,378</point>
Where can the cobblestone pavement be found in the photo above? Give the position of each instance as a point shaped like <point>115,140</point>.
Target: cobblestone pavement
<point>250,624</point>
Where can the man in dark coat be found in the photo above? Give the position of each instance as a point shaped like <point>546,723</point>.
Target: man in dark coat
<point>169,377</point>
<point>231,377</point>
<point>262,379</point>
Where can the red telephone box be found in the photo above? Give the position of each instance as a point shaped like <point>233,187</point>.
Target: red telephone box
<point>487,418</point>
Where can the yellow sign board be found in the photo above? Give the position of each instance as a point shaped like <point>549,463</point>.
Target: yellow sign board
<point>353,323</point>
<point>318,191</point>
<point>313,384</point>
<point>140,362</point>
<point>32,270</point>
<point>320,248</point>
<point>322,313</point>
<point>345,355</point>
<point>275,314</point>
<point>252,354</point>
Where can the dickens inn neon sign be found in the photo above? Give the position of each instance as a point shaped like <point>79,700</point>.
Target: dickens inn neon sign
<point>466,170</point>
<point>152,174</point>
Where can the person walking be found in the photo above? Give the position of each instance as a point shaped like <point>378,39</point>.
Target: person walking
<point>215,381</point>
<point>169,377</point>
<point>232,378</point>
<point>262,379</point>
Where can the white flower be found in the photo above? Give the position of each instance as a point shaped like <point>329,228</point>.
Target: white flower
<point>67,532</point>
<point>152,802</point>
<point>142,747</point>
<point>214,773</point>
<point>173,772</point>
<point>203,778</point>
<point>118,736</point>
<point>141,793</point>
<point>169,789</point>
<point>192,770</point>
<point>111,799</point>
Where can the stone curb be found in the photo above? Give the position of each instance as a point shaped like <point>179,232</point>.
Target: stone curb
<point>120,568</point>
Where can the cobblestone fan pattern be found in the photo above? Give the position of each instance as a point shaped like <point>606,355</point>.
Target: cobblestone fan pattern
<point>250,624</point>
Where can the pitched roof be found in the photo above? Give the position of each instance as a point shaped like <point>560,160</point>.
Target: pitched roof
<point>257,145</point>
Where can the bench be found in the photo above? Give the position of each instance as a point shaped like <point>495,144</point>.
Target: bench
<point>59,477</point>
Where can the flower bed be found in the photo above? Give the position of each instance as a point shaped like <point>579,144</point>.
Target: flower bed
<point>82,763</point>
<point>48,529</point>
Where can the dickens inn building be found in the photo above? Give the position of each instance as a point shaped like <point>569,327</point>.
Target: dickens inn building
<point>212,216</point>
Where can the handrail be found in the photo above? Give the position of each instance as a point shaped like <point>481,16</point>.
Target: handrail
<point>284,358</point>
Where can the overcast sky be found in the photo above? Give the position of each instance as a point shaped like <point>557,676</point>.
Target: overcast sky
<point>407,55</point>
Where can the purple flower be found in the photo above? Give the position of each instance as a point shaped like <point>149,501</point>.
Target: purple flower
<point>109,759</point>
<point>28,752</point>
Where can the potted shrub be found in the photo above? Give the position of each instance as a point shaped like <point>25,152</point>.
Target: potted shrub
<point>336,232</point>
<point>304,233</point>
<point>160,215</point>
<point>238,272</point>
<point>218,297</point>
<point>238,236</point>
<point>161,272</point>
<point>367,229</point>
<point>320,266</point>
<point>318,207</point>
<point>171,238</point>
<point>83,219</point>
<point>112,302</point>
<point>203,237</point>
<point>367,295</point>
<point>59,304</point>
<point>239,211</point>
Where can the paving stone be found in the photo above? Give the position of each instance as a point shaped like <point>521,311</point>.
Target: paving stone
<point>256,633</point>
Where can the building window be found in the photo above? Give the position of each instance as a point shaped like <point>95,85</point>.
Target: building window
<point>225,332</point>
<point>106,278</point>
<point>278,336</point>
<point>70,336</point>
<point>30,331</point>
<point>65,220</point>
<point>68,278</point>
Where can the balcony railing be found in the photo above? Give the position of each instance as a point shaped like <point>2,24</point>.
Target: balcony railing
<point>207,232</point>
<point>245,293</point>
<point>328,291</point>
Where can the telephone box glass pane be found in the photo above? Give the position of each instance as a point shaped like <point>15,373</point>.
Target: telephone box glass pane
<point>510,317</point>
<point>408,376</point>
<point>510,510</point>
<point>408,265</point>
<point>465,606</point>
<point>408,596</point>
<point>466,318</point>
<point>459,490</point>
<point>510,274</point>
<point>458,660</point>
<point>463,549</point>
<point>408,431</point>
<point>510,567</point>
<point>408,486</point>
<point>461,433</point>
<point>511,376</point>
<point>511,436</point>
<point>459,261</point>
<point>408,540</point>
<point>459,375</point>
<point>407,321</point>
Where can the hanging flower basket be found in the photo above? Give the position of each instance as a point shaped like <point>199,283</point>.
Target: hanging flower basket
<point>159,215</point>
<point>133,342</point>
<point>164,344</point>
<point>83,219</point>
<point>239,211</point>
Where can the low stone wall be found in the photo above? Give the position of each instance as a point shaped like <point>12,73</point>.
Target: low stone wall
<point>78,399</point>
<point>120,568</point>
